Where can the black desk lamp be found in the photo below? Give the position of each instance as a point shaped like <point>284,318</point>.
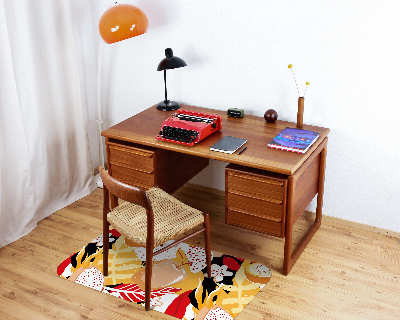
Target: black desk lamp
<point>169,62</point>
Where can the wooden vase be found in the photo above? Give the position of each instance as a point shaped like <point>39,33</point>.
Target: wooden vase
<point>300,112</point>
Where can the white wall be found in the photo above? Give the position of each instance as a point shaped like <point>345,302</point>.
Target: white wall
<point>237,54</point>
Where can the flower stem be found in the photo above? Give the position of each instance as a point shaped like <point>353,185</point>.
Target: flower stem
<point>295,82</point>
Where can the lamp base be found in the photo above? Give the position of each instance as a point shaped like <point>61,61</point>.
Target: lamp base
<point>168,105</point>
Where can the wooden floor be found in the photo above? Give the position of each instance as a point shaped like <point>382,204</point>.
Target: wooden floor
<point>344,273</point>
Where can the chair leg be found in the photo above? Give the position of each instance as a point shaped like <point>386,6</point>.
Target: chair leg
<point>207,242</point>
<point>106,245</point>
<point>148,274</point>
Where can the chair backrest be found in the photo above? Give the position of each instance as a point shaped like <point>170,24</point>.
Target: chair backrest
<point>125,191</point>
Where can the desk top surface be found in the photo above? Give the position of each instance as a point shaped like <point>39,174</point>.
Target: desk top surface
<point>144,126</point>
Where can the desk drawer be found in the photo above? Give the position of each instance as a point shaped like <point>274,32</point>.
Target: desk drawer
<point>268,208</point>
<point>133,177</point>
<point>251,220</point>
<point>262,186</point>
<point>255,199</point>
<point>131,157</point>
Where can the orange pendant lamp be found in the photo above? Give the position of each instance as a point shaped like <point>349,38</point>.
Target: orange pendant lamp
<point>122,21</point>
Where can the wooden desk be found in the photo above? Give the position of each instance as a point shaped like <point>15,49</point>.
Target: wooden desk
<point>137,157</point>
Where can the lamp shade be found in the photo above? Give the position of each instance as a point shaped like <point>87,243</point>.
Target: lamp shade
<point>122,21</point>
<point>170,61</point>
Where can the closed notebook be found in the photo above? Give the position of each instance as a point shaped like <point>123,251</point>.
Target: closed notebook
<point>228,144</point>
<point>294,140</point>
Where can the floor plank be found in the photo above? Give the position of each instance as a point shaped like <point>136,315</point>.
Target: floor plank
<point>348,271</point>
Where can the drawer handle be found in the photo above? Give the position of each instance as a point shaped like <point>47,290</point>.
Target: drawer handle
<point>140,153</point>
<point>275,183</point>
<point>247,195</point>
<point>255,215</point>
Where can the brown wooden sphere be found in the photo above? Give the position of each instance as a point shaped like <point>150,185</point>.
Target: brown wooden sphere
<point>270,115</point>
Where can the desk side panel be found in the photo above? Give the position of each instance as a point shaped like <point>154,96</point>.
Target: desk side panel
<point>306,182</point>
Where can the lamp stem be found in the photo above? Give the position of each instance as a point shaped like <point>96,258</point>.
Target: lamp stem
<point>165,83</point>
<point>99,119</point>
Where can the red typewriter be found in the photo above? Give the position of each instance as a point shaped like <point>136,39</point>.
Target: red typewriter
<point>189,127</point>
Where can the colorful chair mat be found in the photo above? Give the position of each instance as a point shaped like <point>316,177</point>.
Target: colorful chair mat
<point>180,286</point>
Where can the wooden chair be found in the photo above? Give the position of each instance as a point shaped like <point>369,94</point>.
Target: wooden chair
<point>149,219</point>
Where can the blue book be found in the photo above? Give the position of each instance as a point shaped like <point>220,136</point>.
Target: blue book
<point>294,140</point>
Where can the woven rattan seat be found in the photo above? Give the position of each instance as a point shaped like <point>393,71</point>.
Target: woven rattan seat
<point>171,218</point>
<point>149,219</point>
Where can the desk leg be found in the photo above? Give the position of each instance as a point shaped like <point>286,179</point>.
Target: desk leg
<point>289,259</point>
<point>114,199</point>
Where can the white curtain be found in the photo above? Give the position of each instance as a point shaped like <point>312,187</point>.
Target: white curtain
<point>45,161</point>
